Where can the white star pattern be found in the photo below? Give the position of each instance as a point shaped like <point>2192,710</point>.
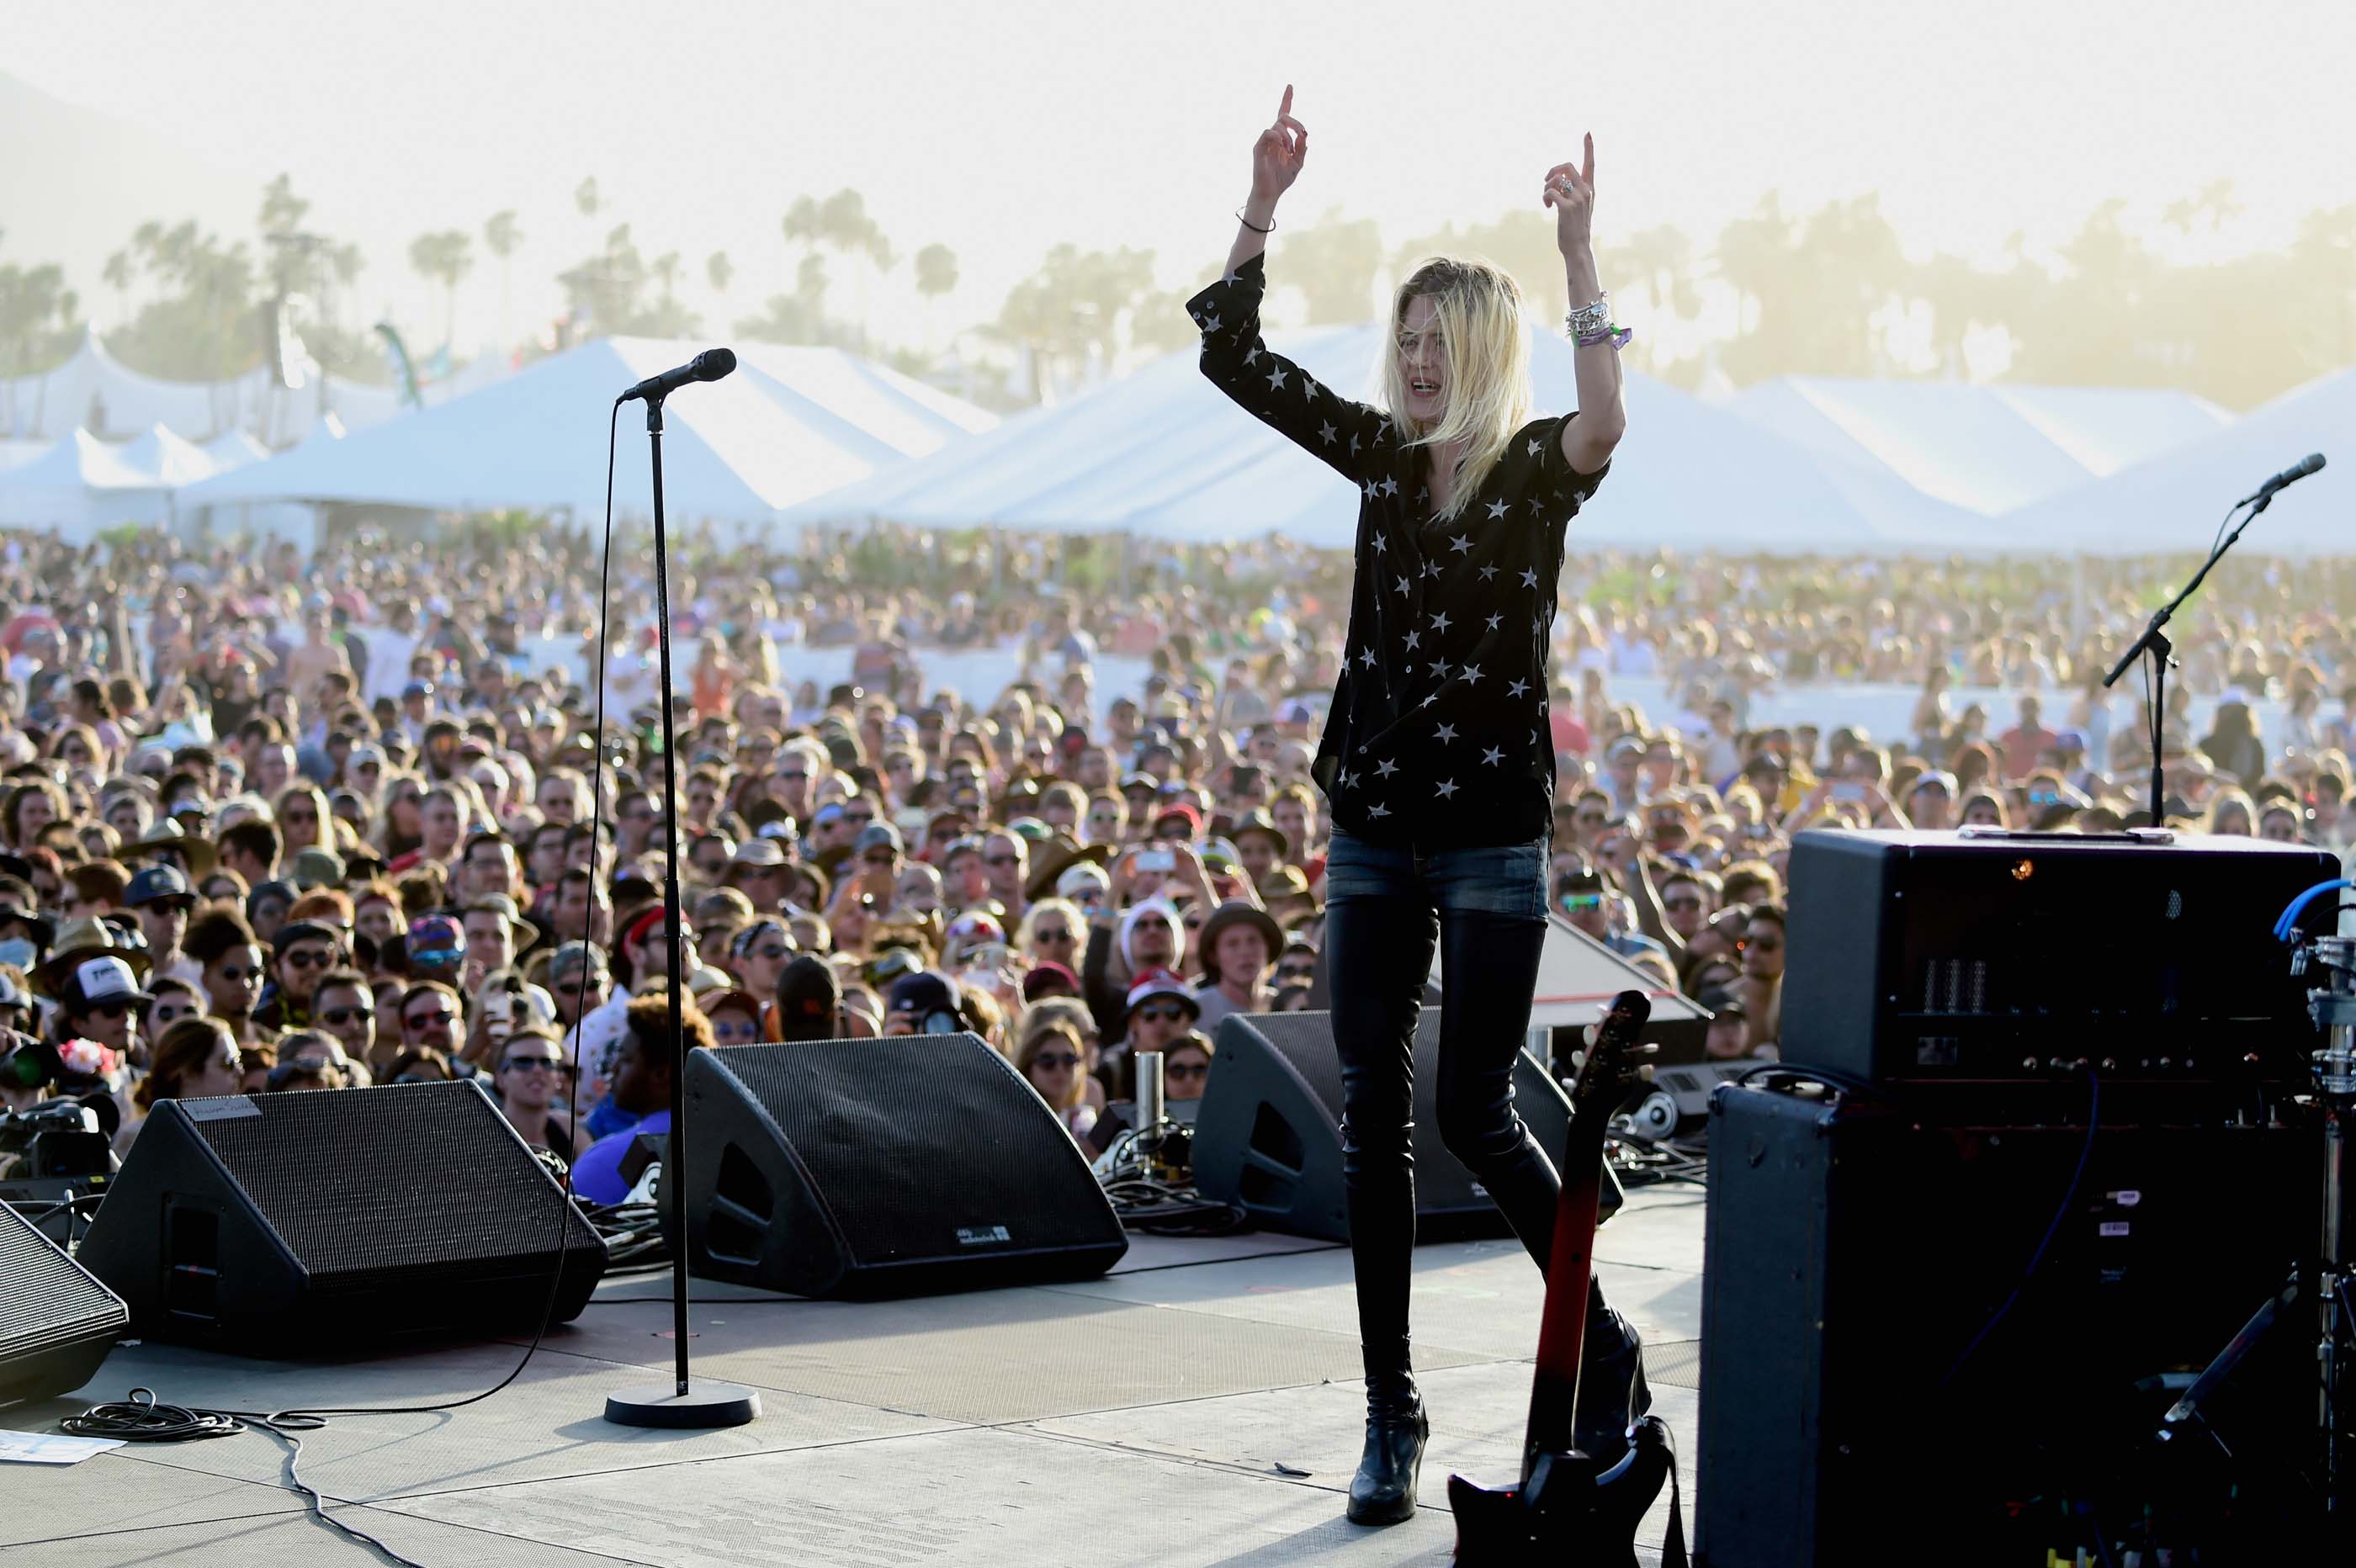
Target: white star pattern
<point>1445,789</point>
<point>1497,510</point>
<point>1252,357</point>
<point>1440,622</point>
<point>1432,568</point>
<point>1367,658</point>
<point>1329,432</point>
<point>1402,585</point>
<point>1413,638</point>
<point>1354,444</point>
<point>1368,486</point>
<point>1445,732</point>
<point>1536,447</point>
<point>1440,668</point>
<point>1487,572</point>
<point>1211,324</point>
<point>1517,689</point>
<point>1377,810</point>
<point>1460,544</point>
<point>1382,429</point>
<point>1349,779</point>
<point>1386,768</point>
<point>1529,578</point>
<point>1231,279</point>
<point>1495,621</point>
<point>1428,700</point>
<point>1276,377</point>
<point>1308,388</point>
<point>1381,544</point>
<point>1471,674</point>
<point>1390,486</point>
<point>1535,507</point>
<point>1493,756</point>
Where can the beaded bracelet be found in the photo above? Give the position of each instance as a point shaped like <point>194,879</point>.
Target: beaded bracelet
<point>1617,336</point>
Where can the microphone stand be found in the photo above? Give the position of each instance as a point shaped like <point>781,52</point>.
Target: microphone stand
<point>676,1404</point>
<point>2155,641</point>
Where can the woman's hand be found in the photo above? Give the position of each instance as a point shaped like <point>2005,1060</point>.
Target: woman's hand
<point>1570,191</point>
<point>1278,153</point>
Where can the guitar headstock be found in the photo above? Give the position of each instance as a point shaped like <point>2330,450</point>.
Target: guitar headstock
<point>1614,1061</point>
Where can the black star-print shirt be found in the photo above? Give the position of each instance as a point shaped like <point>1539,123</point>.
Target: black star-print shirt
<point>1438,734</point>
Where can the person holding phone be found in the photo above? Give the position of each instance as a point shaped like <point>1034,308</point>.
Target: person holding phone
<point>1434,757</point>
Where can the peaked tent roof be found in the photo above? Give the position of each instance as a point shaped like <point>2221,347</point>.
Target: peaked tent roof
<point>234,450</point>
<point>167,459</point>
<point>1985,447</point>
<point>60,487</point>
<point>736,451</point>
<point>1165,453</point>
<point>2171,504</point>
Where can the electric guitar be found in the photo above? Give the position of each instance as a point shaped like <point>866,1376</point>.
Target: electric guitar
<point>1566,1508</point>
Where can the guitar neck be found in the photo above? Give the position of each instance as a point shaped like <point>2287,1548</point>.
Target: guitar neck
<point>1562,1330</point>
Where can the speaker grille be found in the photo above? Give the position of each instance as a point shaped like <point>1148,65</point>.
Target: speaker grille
<point>44,1297</point>
<point>1306,1040</point>
<point>338,1176</point>
<point>872,1120</point>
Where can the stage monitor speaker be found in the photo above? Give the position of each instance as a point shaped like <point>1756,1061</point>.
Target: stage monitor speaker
<point>311,1221</point>
<point>1855,1251</point>
<point>1268,1134</point>
<point>57,1322</point>
<point>881,1167</point>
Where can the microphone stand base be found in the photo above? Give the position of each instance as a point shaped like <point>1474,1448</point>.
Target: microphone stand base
<point>705,1406</point>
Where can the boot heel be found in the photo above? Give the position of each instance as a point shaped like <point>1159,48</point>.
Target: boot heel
<point>1383,1491</point>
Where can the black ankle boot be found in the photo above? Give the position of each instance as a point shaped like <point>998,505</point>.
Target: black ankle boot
<point>1383,1491</point>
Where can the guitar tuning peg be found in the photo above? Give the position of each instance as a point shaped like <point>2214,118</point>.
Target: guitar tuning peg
<point>1578,1058</point>
<point>1645,1073</point>
<point>1650,1048</point>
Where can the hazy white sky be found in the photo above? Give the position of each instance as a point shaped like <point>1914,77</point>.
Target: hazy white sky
<point>1002,128</point>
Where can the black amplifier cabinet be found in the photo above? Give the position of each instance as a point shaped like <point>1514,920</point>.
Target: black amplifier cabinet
<point>1944,957</point>
<point>1892,1367</point>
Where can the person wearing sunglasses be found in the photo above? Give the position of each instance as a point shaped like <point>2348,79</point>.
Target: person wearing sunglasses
<point>303,951</point>
<point>1186,1065</point>
<point>101,1000</point>
<point>431,1016</point>
<point>343,1007</point>
<point>530,1080</point>
<point>757,956</point>
<point>1050,1056</point>
<point>1161,1008</point>
<point>1763,974</point>
<point>231,957</point>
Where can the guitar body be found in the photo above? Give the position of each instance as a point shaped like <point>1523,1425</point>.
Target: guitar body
<point>1566,1508</point>
<point>1567,1513</point>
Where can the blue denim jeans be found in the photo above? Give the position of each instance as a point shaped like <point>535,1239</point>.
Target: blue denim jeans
<point>1389,909</point>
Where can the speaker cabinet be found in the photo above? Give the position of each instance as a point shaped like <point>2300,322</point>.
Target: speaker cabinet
<point>880,1167</point>
<point>57,1322</point>
<point>314,1222</point>
<point>1268,1134</point>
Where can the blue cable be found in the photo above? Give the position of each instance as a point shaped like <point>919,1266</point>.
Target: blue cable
<point>2289,918</point>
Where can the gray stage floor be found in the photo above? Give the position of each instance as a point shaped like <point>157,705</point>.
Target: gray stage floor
<point>1198,1406</point>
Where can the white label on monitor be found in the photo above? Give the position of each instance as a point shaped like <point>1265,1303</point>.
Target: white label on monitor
<point>220,1110</point>
<point>2113,1228</point>
<point>983,1235</point>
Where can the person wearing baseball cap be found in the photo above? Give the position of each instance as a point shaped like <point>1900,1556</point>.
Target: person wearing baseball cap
<point>101,999</point>
<point>1049,978</point>
<point>1179,820</point>
<point>160,898</point>
<point>1160,1007</point>
<point>926,1002</point>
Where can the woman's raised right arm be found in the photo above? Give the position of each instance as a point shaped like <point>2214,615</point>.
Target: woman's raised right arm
<point>1341,432</point>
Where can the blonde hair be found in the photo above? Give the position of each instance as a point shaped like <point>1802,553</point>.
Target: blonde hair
<point>1485,345</point>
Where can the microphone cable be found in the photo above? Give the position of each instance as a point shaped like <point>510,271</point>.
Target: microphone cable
<point>137,1420</point>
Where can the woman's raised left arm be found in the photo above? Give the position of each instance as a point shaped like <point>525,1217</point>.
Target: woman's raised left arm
<point>1587,441</point>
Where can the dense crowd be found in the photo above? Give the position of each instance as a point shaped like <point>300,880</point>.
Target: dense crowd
<point>272,823</point>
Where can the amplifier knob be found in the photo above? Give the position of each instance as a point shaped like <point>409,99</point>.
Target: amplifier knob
<point>2028,1064</point>
<point>2166,1063</point>
<point>2110,1064</point>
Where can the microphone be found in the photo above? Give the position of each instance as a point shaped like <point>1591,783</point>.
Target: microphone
<point>708,365</point>
<point>2291,476</point>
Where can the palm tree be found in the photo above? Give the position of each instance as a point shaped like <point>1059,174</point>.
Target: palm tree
<point>444,256</point>
<point>500,238</point>
<point>118,278</point>
<point>844,224</point>
<point>937,276</point>
<point>720,269</point>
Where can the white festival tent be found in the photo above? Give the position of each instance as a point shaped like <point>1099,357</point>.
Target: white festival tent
<point>234,450</point>
<point>169,458</point>
<point>1988,447</point>
<point>2171,504</point>
<point>735,452</point>
<point>80,485</point>
<point>1163,455</point>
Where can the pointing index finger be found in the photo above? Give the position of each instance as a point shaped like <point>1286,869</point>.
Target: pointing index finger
<point>1588,174</point>
<point>1285,108</point>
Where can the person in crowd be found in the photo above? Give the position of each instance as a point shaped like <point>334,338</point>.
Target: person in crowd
<point>642,1068</point>
<point>1239,943</point>
<point>1186,1065</point>
<point>196,1059</point>
<point>1050,1054</point>
<point>529,1078</point>
<point>229,957</point>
